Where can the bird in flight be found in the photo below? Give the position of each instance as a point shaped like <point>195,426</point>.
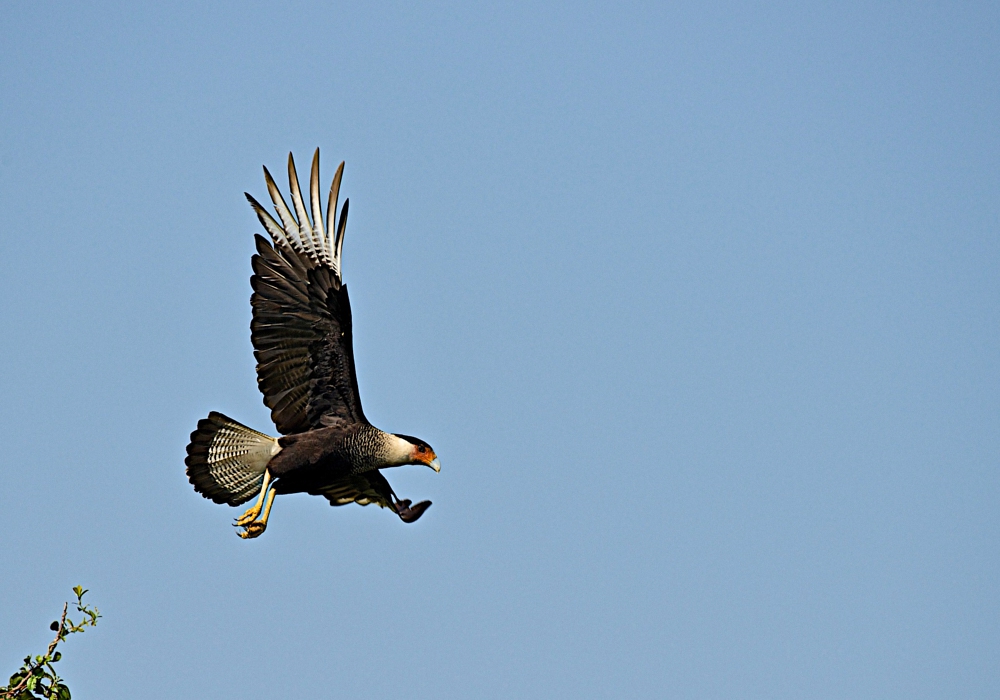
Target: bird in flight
<point>301,334</point>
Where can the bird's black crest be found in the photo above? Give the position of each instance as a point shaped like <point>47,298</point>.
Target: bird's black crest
<point>415,441</point>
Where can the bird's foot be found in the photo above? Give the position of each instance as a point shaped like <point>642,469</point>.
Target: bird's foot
<point>253,529</point>
<point>408,513</point>
<point>252,514</point>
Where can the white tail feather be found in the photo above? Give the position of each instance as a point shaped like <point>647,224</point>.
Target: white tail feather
<point>226,460</point>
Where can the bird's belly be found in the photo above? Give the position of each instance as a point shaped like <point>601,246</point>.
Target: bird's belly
<point>311,476</point>
<point>300,456</point>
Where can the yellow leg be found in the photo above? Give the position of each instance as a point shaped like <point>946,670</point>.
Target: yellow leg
<point>254,511</point>
<point>267,508</point>
<point>257,527</point>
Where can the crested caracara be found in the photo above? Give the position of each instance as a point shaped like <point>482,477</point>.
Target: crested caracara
<point>301,334</point>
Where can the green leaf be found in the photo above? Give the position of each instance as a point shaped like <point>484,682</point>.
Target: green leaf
<point>17,677</point>
<point>62,692</point>
<point>79,591</point>
<point>57,656</point>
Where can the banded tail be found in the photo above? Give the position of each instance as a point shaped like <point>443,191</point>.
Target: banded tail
<point>226,460</point>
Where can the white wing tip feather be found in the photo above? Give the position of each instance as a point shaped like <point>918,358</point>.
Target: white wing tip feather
<point>321,243</point>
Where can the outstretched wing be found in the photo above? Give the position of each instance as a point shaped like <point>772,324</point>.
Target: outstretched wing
<point>370,487</point>
<point>301,327</point>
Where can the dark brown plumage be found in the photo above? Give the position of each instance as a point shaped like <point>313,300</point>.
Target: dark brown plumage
<point>301,333</point>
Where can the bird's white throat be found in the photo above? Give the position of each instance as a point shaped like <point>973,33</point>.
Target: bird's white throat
<point>399,451</point>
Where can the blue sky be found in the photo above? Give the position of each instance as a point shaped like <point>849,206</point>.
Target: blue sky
<point>698,304</point>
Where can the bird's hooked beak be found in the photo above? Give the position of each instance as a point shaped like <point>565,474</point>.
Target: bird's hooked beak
<point>435,464</point>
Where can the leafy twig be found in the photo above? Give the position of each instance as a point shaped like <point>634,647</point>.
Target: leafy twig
<point>37,678</point>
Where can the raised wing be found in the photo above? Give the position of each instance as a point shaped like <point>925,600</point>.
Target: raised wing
<point>370,487</point>
<point>301,327</point>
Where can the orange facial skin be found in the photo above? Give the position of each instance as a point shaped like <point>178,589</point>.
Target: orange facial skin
<point>422,454</point>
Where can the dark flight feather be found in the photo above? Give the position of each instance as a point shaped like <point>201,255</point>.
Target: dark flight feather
<point>301,327</point>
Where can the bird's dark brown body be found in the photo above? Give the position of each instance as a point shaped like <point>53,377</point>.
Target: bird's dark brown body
<point>338,450</point>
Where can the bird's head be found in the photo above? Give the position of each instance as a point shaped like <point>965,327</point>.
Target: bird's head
<point>419,452</point>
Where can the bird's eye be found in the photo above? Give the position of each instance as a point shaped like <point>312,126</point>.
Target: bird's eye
<point>422,448</point>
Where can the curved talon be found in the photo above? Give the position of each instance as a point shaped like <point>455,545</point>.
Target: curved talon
<point>253,529</point>
<point>248,517</point>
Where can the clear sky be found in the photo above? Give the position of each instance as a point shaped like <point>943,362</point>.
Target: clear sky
<point>699,308</point>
